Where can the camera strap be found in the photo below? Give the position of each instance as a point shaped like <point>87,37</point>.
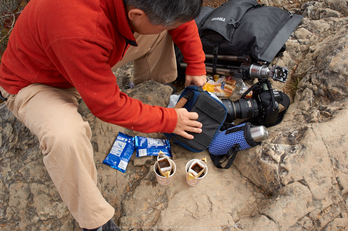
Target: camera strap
<point>270,89</point>
<point>285,101</point>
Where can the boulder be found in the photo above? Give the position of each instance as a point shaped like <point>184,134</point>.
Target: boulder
<point>297,179</point>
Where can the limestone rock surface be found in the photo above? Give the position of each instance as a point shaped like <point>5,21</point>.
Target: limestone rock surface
<point>295,180</point>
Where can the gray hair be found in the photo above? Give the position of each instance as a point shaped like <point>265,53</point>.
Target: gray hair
<point>167,12</point>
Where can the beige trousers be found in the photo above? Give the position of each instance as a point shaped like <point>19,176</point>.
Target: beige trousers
<point>52,115</point>
<point>153,59</point>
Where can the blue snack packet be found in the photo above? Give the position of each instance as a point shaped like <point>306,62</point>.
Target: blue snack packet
<point>151,147</point>
<point>121,152</point>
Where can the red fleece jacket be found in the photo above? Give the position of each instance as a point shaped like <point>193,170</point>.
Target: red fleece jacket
<point>74,43</point>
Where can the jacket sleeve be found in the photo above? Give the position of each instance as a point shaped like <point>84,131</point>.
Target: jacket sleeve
<point>85,65</point>
<point>187,39</point>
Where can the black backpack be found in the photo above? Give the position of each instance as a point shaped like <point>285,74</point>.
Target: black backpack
<point>245,27</point>
<point>240,33</point>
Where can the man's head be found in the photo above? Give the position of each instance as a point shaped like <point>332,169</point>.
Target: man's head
<point>162,13</point>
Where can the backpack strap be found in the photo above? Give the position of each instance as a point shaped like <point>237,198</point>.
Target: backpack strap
<point>215,54</point>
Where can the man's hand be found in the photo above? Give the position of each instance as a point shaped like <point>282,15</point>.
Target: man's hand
<point>187,123</point>
<point>197,80</point>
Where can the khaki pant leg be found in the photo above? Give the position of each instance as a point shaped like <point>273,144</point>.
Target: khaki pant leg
<point>51,114</point>
<point>153,58</point>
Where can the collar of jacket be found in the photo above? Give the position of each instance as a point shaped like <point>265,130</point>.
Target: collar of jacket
<point>116,12</point>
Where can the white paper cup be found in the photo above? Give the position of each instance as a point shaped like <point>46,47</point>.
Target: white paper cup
<point>196,181</point>
<point>162,179</point>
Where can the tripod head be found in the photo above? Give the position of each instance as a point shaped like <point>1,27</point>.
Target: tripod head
<point>276,72</point>
<point>242,67</point>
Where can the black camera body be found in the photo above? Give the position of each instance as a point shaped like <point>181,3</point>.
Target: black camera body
<point>263,106</point>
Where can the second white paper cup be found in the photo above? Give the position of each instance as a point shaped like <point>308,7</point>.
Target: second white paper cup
<point>196,181</point>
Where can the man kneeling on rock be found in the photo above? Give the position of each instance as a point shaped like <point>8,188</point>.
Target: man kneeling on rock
<point>61,51</point>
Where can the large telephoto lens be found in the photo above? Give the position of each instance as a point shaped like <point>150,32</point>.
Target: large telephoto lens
<point>241,109</point>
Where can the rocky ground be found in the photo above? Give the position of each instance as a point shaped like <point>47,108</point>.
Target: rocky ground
<point>295,180</point>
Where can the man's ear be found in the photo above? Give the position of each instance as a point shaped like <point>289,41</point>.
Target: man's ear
<point>135,14</point>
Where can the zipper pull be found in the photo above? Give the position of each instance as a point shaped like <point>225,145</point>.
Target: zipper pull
<point>287,11</point>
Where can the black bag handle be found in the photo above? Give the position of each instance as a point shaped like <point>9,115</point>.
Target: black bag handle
<point>232,152</point>
<point>229,157</point>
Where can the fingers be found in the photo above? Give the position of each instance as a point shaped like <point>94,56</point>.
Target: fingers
<point>189,81</point>
<point>199,80</point>
<point>186,135</point>
<point>195,127</point>
<point>193,116</point>
<point>187,122</point>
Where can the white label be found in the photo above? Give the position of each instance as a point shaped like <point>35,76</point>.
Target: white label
<point>219,19</point>
<point>117,148</point>
<point>151,142</point>
<point>123,165</point>
<point>142,152</point>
